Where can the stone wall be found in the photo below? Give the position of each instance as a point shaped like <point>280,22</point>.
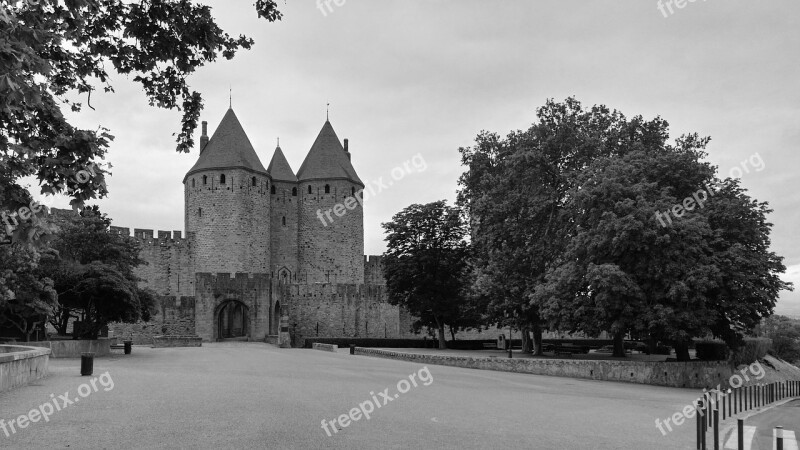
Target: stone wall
<point>693,374</point>
<point>170,262</point>
<point>175,316</point>
<point>20,365</point>
<point>74,348</point>
<point>177,341</point>
<point>341,310</point>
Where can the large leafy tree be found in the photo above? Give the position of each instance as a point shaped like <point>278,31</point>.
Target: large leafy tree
<point>425,265</point>
<point>94,275</point>
<point>514,192</point>
<point>56,53</point>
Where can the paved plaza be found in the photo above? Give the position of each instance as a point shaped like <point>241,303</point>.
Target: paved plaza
<point>254,395</point>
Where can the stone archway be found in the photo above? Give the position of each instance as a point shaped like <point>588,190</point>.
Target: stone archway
<point>232,320</point>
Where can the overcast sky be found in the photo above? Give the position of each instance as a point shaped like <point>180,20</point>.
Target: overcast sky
<point>425,77</point>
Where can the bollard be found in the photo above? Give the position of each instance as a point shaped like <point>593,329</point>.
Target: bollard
<point>779,438</point>
<point>128,346</point>
<point>716,427</point>
<point>87,364</point>
<point>352,349</point>
<point>699,423</point>
<point>741,434</point>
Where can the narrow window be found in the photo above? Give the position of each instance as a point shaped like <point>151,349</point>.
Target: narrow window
<point>327,189</point>
<point>192,182</point>
<point>222,179</point>
<point>254,181</point>
<point>200,212</point>
<point>284,220</point>
<point>294,192</point>
<point>353,191</point>
<point>272,189</point>
<point>309,188</point>
<point>205,179</point>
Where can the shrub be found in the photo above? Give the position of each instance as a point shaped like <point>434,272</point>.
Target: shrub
<point>662,350</point>
<point>752,350</point>
<point>711,350</point>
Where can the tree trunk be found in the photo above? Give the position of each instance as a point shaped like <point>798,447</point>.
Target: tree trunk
<point>682,351</point>
<point>527,345</point>
<point>537,340</point>
<point>619,344</point>
<point>442,342</point>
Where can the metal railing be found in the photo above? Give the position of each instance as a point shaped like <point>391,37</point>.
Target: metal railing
<point>714,406</point>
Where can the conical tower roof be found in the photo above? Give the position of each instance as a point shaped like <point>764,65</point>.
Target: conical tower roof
<point>327,159</point>
<point>228,148</point>
<point>279,169</point>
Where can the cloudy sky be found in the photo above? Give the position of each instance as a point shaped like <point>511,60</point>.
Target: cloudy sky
<point>423,77</point>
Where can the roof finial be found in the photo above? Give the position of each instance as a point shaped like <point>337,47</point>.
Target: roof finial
<point>279,142</point>
<point>230,97</point>
<point>328,112</point>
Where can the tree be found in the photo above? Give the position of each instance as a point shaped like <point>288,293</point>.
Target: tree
<point>53,51</point>
<point>425,264</point>
<point>785,335</point>
<point>565,233</point>
<point>514,193</point>
<point>94,275</point>
<point>27,297</point>
<point>634,265</point>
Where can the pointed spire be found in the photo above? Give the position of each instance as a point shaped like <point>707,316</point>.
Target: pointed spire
<point>279,168</point>
<point>327,159</point>
<point>228,148</point>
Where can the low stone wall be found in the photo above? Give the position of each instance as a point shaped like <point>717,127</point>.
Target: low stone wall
<point>694,374</point>
<point>325,347</point>
<point>177,341</point>
<point>19,365</point>
<point>73,349</point>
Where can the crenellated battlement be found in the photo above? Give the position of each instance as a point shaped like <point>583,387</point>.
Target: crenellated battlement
<point>146,236</point>
<point>233,276</point>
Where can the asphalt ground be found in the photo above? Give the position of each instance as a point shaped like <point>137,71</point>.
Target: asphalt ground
<point>254,395</point>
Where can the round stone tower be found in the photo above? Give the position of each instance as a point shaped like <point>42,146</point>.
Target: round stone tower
<point>227,203</point>
<point>284,200</point>
<point>331,217</point>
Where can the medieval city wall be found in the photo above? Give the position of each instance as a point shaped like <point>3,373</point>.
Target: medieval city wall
<point>170,261</point>
<point>341,310</point>
<point>174,316</point>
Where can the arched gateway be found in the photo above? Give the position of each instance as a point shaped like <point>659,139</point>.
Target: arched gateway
<point>232,320</point>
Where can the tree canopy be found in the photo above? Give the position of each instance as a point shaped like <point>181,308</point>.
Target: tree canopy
<point>569,230</point>
<point>425,265</point>
<point>56,53</point>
